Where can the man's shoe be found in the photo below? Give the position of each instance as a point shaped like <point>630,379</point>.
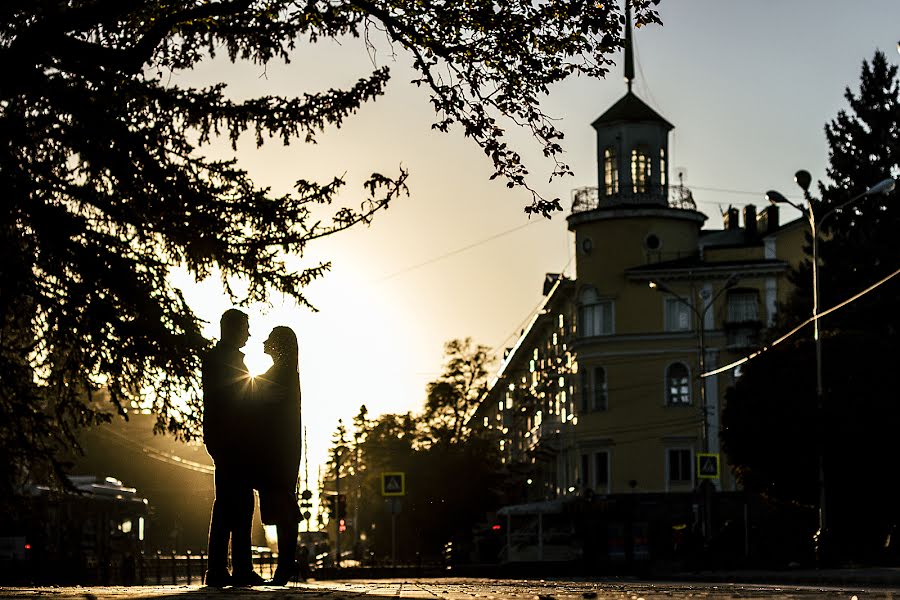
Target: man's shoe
<point>284,574</point>
<point>218,579</point>
<point>247,579</point>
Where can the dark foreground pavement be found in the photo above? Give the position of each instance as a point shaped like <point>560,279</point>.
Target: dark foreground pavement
<point>461,589</point>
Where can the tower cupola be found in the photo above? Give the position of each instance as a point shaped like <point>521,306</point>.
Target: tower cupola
<point>632,146</point>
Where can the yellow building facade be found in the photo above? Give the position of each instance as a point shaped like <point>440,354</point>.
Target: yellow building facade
<point>608,388</point>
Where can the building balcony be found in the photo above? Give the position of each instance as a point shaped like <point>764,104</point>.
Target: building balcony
<point>547,434</point>
<point>589,198</point>
<point>742,335</point>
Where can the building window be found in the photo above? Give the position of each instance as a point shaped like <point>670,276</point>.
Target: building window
<point>598,478</point>
<point>677,315</point>
<point>742,324</point>
<point>601,471</point>
<point>593,389</point>
<point>743,306</point>
<point>678,389</point>
<point>610,172</point>
<point>680,465</point>
<point>596,315</point>
<point>585,390</point>
<point>585,481</point>
<point>600,398</point>
<point>640,170</point>
<point>662,166</point>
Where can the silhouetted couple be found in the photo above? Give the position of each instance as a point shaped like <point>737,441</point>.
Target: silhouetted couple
<point>251,427</point>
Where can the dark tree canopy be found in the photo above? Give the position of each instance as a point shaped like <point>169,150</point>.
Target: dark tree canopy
<point>106,187</point>
<point>452,399</point>
<point>770,418</point>
<point>450,487</point>
<point>454,472</point>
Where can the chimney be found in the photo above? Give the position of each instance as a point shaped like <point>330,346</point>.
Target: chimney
<point>767,221</point>
<point>731,218</point>
<point>750,220</point>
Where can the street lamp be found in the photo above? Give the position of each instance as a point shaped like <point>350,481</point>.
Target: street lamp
<point>701,339</point>
<point>803,179</point>
<point>701,342</point>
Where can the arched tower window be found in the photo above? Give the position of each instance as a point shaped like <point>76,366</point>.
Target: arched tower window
<point>640,170</point>
<point>610,172</point>
<point>662,167</point>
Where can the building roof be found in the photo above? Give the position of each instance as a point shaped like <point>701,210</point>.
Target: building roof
<point>692,266</point>
<point>729,237</point>
<point>739,236</point>
<point>630,108</point>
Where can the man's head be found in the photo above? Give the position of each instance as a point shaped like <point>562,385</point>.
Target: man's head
<point>235,327</point>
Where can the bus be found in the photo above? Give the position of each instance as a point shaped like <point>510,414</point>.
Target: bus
<point>92,533</point>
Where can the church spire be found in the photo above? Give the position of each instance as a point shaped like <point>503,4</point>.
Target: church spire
<point>629,51</point>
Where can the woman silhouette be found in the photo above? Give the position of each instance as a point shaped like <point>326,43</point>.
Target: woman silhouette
<point>279,440</point>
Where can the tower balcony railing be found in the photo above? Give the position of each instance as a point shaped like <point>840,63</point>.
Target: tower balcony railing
<point>677,196</point>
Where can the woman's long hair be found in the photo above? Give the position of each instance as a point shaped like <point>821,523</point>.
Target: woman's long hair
<point>284,347</point>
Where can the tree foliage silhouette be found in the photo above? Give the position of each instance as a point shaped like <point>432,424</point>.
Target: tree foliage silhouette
<point>453,471</point>
<point>770,419</point>
<point>452,398</point>
<point>106,188</point>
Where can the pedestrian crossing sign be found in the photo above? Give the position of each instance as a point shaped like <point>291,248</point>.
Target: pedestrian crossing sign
<point>707,466</point>
<point>393,484</point>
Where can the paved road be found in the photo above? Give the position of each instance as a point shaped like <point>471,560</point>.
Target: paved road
<point>457,589</point>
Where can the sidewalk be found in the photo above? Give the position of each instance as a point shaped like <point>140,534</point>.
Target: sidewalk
<point>836,584</point>
<point>887,577</point>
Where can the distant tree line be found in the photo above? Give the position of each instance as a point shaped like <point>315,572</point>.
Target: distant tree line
<point>454,475</point>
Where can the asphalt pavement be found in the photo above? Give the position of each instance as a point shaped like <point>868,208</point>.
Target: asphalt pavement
<point>464,589</point>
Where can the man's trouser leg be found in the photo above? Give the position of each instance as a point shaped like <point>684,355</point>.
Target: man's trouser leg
<point>241,557</point>
<point>219,522</point>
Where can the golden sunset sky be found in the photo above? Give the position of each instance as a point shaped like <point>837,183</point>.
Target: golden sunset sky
<point>748,86</point>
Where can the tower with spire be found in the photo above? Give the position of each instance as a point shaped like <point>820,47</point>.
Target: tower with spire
<point>602,392</point>
<point>632,145</point>
<point>632,192</point>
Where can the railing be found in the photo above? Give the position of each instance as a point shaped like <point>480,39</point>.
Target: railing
<point>179,569</point>
<point>742,335</point>
<point>677,196</point>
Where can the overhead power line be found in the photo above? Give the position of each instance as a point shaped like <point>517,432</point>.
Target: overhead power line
<point>521,327</point>
<point>440,257</point>
<point>753,355</point>
<point>457,251</point>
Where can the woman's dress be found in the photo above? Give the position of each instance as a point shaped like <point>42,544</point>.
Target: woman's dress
<point>278,444</point>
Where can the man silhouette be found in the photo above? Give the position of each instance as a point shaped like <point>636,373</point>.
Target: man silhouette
<point>226,382</point>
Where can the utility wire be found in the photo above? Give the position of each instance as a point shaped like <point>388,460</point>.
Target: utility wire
<point>724,191</point>
<point>457,251</point>
<point>653,437</point>
<point>753,355</point>
<point>521,327</point>
<point>535,221</point>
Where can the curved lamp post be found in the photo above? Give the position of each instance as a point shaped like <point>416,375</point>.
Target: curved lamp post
<point>701,342</point>
<point>803,179</point>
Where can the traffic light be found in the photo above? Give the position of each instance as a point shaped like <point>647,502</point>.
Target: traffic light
<point>330,505</point>
<point>342,506</point>
<point>306,504</point>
